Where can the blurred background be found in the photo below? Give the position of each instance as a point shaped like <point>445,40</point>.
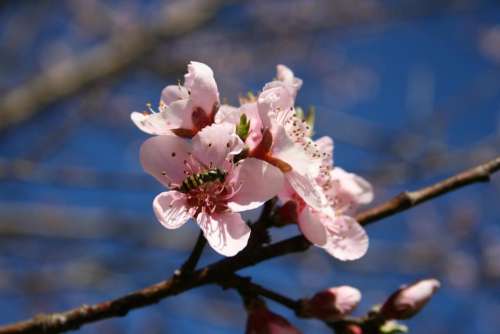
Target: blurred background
<point>409,90</point>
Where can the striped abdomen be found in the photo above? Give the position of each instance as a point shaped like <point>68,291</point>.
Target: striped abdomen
<point>196,180</point>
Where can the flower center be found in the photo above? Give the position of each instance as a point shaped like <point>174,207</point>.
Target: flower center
<point>207,191</point>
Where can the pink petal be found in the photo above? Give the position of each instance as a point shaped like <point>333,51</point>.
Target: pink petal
<point>173,93</point>
<point>163,157</point>
<point>286,75</point>
<point>153,124</point>
<point>216,143</point>
<point>287,193</point>
<point>201,84</point>
<point>325,145</point>
<point>275,98</point>
<point>334,303</point>
<point>255,133</point>
<point>349,190</point>
<point>228,114</point>
<point>293,153</point>
<point>283,73</point>
<point>171,209</point>
<point>227,233</point>
<point>258,180</point>
<point>307,189</point>
<point>347,240</point>
<point>179,115</point>
<point>311,226</point>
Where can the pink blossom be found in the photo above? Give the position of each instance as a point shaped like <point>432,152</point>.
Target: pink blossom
<point>262,321</point>
<point>334,303</point>
<point>214,200</point>
<point>341,236</point>
<point>409,300</point>
<point>331,227</point>
<point>279,137</point>
<point>184,110</point>
<point>344,191</point>
<point>230,114</point>
<point>286,141</point>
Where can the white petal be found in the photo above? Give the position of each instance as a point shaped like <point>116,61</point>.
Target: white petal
<point>226,233</point>
<point>173,93</point>
<point>153,124</point>
<point>171,209</point>
<point>347,240</point>
<point>311,226</point>
<point>307,188</point>
<point>216,143</point>
<point>201,83</point>
<point>258,180</point>
<point>163,157</point>
<point>228,114</point>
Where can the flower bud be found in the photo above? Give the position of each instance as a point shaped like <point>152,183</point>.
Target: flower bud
<point>262,321</point>
<point>333,304</point>
<point>409,300</point>
<point>353,329</point>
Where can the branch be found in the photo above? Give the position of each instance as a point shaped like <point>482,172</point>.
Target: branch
<point>409,199</point>
<point>246,287</point>
<point>75,318</point>
<point>194,257</point>
<point>69,77</point>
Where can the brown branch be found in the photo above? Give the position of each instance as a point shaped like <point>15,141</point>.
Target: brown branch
<point>246,287</point>
<point>69,77</point>
<point>409,199</point>
<point>73,319</point>
<point>194,257</point>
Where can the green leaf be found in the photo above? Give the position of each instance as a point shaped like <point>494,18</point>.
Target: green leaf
<point>243,127</point>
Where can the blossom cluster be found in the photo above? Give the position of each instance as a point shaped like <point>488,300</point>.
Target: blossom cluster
<point>219,160</point>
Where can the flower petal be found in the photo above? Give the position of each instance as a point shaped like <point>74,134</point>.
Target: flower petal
<point>311,226</point>
<point>173,93</point>
<point>307,189</point>
<point>286,75</point>
<point>153,124</point>
<point>274,99</point>
<point>259,180</point>
<point>284,148</point>
<point>227,233</point>
<point>171,209</point>
<point>179,115</point>
<point>163,157</point>
<point>201,84</point>
<point>325,145</point>
<point>347,240</point>
<point>349,190</point>
<point>216,143</point>
<point>228,114</point>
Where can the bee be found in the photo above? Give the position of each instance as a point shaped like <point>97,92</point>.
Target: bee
<point>196,180</point>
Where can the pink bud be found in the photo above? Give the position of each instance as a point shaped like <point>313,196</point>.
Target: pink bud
<point>334,303</point>
<point>409,300</point>
<point>353,329</point>
<point>262,321</point>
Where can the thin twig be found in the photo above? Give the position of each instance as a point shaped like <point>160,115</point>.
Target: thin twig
<point>194,257</point>
<point>409,199</point>
<point>247,287</point>
<point>75,318</point>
